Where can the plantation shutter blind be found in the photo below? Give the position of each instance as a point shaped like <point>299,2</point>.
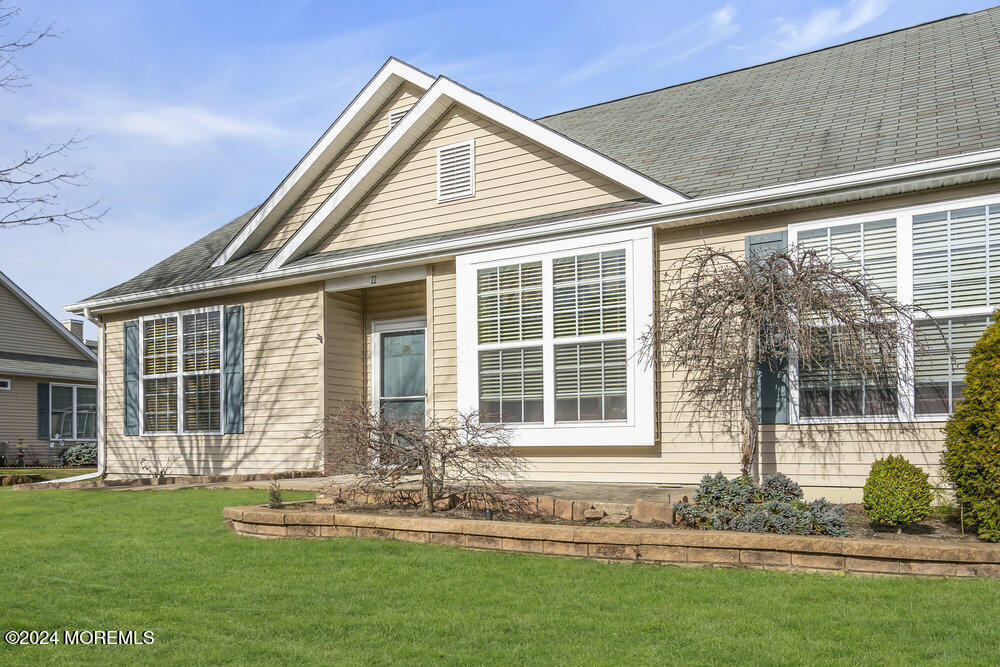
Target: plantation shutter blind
<point>131,380</point>
<point>956,258</point>
<point>772,383</point>
<point>43,411</point>
<point>589,294</point>
<point>232,370</point>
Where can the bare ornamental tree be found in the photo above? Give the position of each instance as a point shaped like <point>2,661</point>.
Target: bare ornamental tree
<point>724,317</point>
<point>457,456</point>
<point>29,185</point>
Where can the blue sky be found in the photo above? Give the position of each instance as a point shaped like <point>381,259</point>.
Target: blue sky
<point>193,111</point>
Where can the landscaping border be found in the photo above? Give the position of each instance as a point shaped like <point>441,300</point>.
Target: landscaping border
<point>647,545</point>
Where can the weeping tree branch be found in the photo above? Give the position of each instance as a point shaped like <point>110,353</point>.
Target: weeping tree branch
<point>29,187</point>
<point>723,317</point>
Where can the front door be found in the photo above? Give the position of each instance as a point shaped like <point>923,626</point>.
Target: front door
<point>400,369</point>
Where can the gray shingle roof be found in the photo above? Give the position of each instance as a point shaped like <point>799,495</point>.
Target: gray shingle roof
<point>37,365</point>
<point>913,94</point>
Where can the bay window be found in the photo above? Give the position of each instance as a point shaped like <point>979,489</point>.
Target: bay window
<point>548,335</point>
<point>181,366</point>
<point>944,259</point>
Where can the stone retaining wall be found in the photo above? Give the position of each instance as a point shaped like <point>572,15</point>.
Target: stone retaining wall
<point>668,545</point>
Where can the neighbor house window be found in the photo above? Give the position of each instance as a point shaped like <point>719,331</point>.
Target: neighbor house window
<point>5,384</point>
<point>951,273</point>
<point>72,412</point>
<point>548,336</point>
<point>181,372</point>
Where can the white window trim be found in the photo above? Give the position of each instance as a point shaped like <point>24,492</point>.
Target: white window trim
<point>638,428</point>
<point>387,326</point>
<point>6,384</point>
<point>178,314</point>
<point>904,294</point>
<point>471,143</point>
<point>75,387</point>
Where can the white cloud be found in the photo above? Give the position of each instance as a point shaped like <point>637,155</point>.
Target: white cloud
<point>711,29</point>
<point>825,24</point>
<point>167,125</point>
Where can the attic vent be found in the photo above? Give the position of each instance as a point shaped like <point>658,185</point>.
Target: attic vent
<point>396,116</point>
<point>456,171</point>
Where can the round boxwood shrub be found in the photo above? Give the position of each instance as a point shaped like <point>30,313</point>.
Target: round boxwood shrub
<point>81,454</point>
<point>971,458</point>
<point>897,493</point>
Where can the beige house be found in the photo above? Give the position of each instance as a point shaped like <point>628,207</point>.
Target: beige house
<point>48,381</point>
<point>436,250</point>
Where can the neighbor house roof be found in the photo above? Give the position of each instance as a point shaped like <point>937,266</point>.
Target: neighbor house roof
<point>37,365</point>
<point>897,98</point>
<point>46,316</point>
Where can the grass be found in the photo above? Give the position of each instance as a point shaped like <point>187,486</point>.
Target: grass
<point>163,561</point>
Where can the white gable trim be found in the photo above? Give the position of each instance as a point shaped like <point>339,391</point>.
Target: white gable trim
<point>371,98</point>
<point>45,315</point>
<point>438,98</point>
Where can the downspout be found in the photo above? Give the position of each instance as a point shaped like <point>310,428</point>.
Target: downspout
<point>101,443</point>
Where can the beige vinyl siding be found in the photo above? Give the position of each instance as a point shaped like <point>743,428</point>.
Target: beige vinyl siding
<point>345,347</point>
<point>19,419</point>
<point>23,331</point>
<point>442,332</point>
<point>515,179</point>
<point>390,302</point>
<point>282,393</point>
<point>404,97</point>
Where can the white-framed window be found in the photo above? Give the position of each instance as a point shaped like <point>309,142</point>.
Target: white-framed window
<point>944,258</point>
<point>396,116</point>
<point>548,336</point>
<point>181,372</point>
<point>456,171</point>
<point>5,384</point>
<point>72,412</point>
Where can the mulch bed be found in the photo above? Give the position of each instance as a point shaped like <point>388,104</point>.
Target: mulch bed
<point>857,521</point>
<point>935,527</point>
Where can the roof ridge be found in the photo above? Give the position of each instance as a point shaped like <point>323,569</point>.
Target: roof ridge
<point>769,62</point>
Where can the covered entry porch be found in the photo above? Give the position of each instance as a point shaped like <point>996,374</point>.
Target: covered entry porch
<point>390,337</point>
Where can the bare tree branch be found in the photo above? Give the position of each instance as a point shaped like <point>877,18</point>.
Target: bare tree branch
<point>29,188</point>
<point>456,455</point>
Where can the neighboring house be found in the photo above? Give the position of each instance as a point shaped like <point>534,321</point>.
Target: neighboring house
<point>48,381</point>
<point>435,248</point>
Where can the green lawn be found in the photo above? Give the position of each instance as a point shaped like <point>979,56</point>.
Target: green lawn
<point>163,561</point>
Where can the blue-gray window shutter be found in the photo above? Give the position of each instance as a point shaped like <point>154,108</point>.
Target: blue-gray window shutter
<point>772,378</point>
<point>232,370</point>
<point>131,370</point>
<point>43,410</point>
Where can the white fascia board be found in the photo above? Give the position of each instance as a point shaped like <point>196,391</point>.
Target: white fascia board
<point>939,172</point>
<point>438,98</point>
<point>45,315</point>
<point>371,98</point>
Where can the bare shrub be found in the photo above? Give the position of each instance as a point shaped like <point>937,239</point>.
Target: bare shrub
<point>723,317</point>
<point>459,455</point>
